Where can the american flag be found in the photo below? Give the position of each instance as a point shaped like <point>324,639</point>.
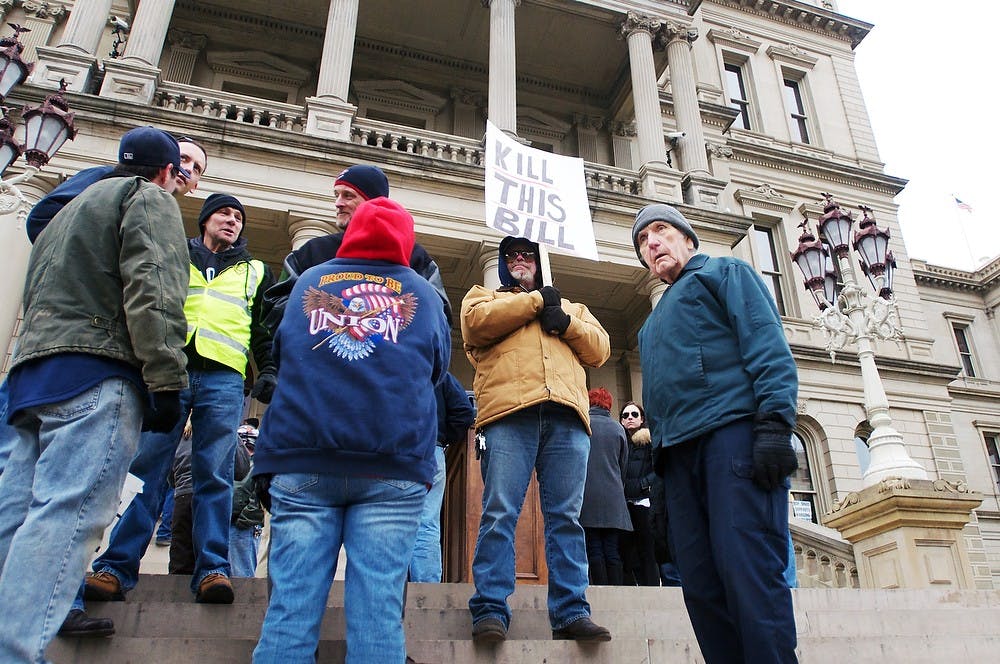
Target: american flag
<point>962,205</point>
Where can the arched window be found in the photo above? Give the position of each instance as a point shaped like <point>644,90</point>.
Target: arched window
<point>803,492</point>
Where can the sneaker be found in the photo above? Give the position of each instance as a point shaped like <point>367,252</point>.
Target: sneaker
<point>79,625</point>
<point>582,629</point>
<point>103,587</point>
<point>490,630</point>
<point>162,541</point>
<point>215,589</point>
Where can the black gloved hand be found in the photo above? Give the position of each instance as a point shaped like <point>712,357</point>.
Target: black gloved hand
<point>262,489</point>
<point>550,296</point>
<point>554,320</point>
<point>773,456</point>
<point>162,411</point>
<point>263,388</point>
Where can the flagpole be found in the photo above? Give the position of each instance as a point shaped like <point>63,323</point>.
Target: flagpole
<point>961,226</point>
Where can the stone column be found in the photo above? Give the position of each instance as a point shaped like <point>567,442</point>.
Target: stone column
<point>700,188</point>
<point>907,533</point>
<point>302,228</point>
<point>40,18</point>
<point>656,288</point>
<point>503,65</point>
<point>14,240</point>
<point>466,107</point>
<point>73,59</point>
<point>621,143</point>
<point>639,31</point>
<point>588,129</point>
<point>329,113</point>
<point>184,49</point>
<point>489,261</point>
<point>135,76</point>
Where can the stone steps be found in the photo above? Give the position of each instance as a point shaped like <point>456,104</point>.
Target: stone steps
<point>161,623</point>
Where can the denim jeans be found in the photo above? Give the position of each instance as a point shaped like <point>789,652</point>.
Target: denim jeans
<point>425,567</point>
<point>552,440</point>
<point>243,550</point>
<point>730,544</point>
<point>58,493</point>
<point>215,400</point>
<point>166,515</point>
<point>7,438</point>
<point>311,516</point>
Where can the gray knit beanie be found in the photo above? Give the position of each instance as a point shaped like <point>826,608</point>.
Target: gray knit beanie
<point>660,212</point>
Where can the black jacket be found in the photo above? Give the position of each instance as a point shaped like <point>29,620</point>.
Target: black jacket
<point>320,250</point>
<point>639,473</point>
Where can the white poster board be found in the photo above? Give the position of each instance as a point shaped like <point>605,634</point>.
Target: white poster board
<point>538,195</point>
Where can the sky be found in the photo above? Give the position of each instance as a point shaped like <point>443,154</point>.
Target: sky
<point>929,85</point>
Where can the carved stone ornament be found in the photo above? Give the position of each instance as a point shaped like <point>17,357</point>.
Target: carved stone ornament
<point>185,39</point>
<point>43,10</point>
<point>625,129</point>
<point>634,22</point>
<point>673,31</point>
<point>719,151</point>
<point>951,487</point>
<point>468,97</point>
<point>592,122</point>
<point>801,407</point>
<point>850,499</point>
<point>768,191</point>
<point>891,483</point>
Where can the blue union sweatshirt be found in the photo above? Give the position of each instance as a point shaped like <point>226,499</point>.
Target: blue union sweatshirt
<point>360,347</point>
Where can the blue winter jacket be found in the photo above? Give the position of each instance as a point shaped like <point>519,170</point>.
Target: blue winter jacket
<point>713,351</point>
<point>359,349</point>
<point>43,211</point>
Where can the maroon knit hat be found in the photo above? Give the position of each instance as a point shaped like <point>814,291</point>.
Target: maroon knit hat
<point>380,230</point>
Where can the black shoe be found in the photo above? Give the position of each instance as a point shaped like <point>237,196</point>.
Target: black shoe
<point>79,625</point>
<point>583,629</point>
<point>490,630</point>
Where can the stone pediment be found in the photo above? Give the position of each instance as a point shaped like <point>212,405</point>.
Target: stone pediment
<point>398,94</point>
<point>257,65</point>
<point>531,121</point>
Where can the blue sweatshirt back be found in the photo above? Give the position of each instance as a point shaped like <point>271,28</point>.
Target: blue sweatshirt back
<point>360,347</point>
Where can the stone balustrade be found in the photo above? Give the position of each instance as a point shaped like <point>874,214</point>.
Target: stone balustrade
<point>229,106</point>
<point>420,142</point>
<point>823,559</point>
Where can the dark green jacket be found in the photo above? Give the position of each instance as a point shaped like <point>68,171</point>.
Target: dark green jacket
<point>108,277</point>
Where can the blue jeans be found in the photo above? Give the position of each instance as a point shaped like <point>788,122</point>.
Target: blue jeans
<point>7,437</point>
<point>166,515</point>
<point>730,544</point>
<point>552,440</point>
<point>243,550</point>
<point>215,400</point>
<point>425,567</point>
<point>58,493</point>
<point>311,516</point>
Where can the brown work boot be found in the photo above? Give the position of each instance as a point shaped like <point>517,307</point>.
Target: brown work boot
<point>215,589</point>
<point>103,587</point>
<point>582,629</point>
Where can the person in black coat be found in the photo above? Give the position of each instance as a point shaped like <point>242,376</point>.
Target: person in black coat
<point>638,552</point>
<point>604,516</point>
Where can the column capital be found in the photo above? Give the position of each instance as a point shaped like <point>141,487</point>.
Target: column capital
<point>487,3</point>
<point>625,129</point>
<point>591,122</point>
<point>43,10</point>
<point>674,31</point>
<point>638,23</point>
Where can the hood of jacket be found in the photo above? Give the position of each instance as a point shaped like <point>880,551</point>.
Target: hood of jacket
<point>506,280</point>
<point>641,436</point>
<point>204,258</point>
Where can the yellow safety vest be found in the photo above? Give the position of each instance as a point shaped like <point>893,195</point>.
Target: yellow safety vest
<point>218,313</point>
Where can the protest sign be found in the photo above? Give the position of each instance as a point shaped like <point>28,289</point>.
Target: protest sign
<point>538,195</point>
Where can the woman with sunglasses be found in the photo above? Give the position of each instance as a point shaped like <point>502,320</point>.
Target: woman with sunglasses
<point>638,552</point>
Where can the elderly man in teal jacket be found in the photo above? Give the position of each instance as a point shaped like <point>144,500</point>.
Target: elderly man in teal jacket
<point>719,389</point>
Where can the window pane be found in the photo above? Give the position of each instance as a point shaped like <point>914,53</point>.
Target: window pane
<point>964,349</point>
<point>765,252</point>
<point>864,455</point>
<point>802,478</point>
<point>737,95</point>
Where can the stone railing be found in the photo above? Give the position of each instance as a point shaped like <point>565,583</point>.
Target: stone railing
<point>420,142</point>
<point>609,178</point>
<point>823,559</point>
<point>229,106</point>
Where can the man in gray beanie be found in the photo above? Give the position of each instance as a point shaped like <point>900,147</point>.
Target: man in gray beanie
<point>719,389</point>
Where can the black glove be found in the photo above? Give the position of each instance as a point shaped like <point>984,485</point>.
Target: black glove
<point>162,411</point>
<point>550,296</point>
<point>262,489</point>
<point>554,320</point>
<point>773,456</point>
<point>263,388</point>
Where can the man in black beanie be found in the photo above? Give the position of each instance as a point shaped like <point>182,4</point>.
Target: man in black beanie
<point>352,187</point>
<point>223,311</point>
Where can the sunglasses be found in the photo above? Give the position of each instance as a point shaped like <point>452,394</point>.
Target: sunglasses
<point>512,255</point>
<point>630,413</point>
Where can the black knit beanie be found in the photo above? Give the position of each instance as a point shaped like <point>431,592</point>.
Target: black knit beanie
<point>217,202</point>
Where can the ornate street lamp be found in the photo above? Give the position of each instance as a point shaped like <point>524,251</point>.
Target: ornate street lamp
<point>851,315</point>
<point>46,127</point>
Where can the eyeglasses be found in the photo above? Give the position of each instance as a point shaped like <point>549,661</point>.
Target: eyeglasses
<point>512,255</point>
<point>630,413</point>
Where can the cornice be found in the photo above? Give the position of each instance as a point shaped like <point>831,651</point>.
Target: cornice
<point>272,25</point>
<point>802,15</point>
<point>786,160</point>
<point>978,281</point>
<point>942,372</point>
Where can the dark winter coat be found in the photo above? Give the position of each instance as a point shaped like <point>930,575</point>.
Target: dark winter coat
<point>603,496</point>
